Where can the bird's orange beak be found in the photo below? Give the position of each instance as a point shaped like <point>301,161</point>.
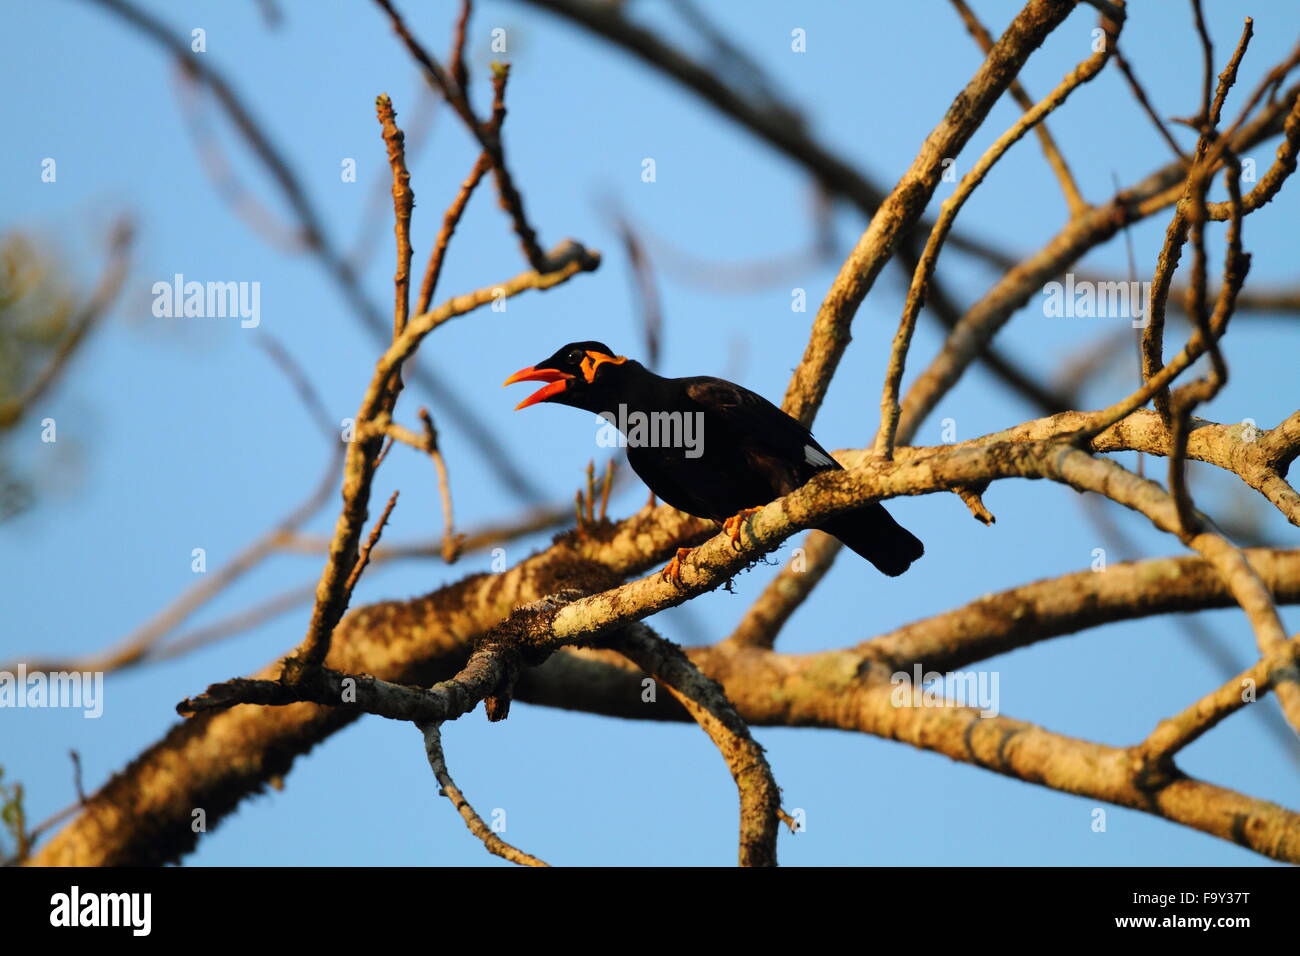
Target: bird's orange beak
<point>556,380</point>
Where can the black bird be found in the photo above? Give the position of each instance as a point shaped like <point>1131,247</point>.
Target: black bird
<point>709,447</point>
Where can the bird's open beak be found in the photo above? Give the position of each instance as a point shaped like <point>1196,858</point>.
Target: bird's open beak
<point>556,380</point>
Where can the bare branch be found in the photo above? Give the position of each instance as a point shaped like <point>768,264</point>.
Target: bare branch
<point>902,209</point>
<point>921,278</point>
<point>705,700</point>
<point>448,788</point>
<point>106,290</point>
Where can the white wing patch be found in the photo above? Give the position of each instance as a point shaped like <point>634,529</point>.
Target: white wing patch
<point>815,456</point>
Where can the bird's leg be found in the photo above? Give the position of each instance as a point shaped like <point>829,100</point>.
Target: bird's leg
<point>673,569</point>
<point>735,523</point>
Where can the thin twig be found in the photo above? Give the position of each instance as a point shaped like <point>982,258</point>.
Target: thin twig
<point>364,558</point>
<point>488,134</point>
<point>372,427</point>
<point>447,788</point>
<point>141,643</point>
<point>900,212</point>
<point>451,542</point>
<point>106,290</point>
<point>335,264</point>
<point>1074,200</point>
<point>449,222</point>
<point>921,278</point>
<point>1174,734</point>
<point>1140,95</point>
<point>706,701</point>
<point>403,202</point>
<point>649,306</point>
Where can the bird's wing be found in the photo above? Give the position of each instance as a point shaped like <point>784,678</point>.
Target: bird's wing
<point>765,430</point>
<point>661,478</point>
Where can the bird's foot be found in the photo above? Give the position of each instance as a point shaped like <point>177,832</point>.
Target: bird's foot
<point>735,524</point>
<point>673,569</point>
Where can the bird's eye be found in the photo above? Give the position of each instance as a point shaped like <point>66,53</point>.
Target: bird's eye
<point>575,356</point>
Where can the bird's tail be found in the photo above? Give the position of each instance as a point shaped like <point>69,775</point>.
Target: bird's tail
<point>875,535</point>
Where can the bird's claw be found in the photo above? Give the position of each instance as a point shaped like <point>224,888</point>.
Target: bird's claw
<point>673,569</point>
<point>735,524</point>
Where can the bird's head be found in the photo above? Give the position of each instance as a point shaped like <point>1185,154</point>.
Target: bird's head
<point>581,374</point>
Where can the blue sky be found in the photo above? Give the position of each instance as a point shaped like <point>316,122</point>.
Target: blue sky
<point>179,433</point>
